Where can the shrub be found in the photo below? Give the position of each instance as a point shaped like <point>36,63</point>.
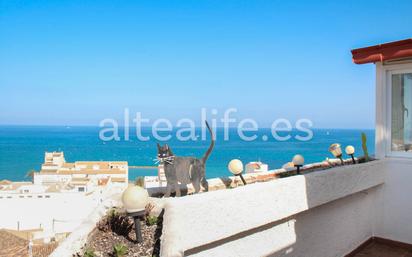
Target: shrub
<point>151,220</point>
<point>116,222</point>
<point>89,253</point>
<point>112,212</point>
<point>119,250</point>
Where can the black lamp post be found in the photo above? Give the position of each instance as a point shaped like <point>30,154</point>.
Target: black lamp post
<point>137,218</point>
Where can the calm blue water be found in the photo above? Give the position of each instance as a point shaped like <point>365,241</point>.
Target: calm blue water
<point>22,148</point>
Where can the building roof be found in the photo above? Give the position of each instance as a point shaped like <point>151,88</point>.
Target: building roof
<point>103,181</point>
<point>50,164</point>
<point>5,182</point>
<point>53,189</point>
<point>90,172</point>
<point>82,172</point>
<point>15,185</point>
<point>12,244</point>
<point>100,163</point>
<point>118,179</point>
<point>68,165</point>
<point>80,181</point>
<point>383,52</point>
<point>46,172</point>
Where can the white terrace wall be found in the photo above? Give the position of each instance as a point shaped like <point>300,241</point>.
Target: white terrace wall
<point>321,214</point>
<point>395,222</point>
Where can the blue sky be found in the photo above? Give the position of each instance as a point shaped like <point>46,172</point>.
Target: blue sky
<point>77,62</point>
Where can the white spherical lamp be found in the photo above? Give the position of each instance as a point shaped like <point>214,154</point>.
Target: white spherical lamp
<point>135,199</point>
<point>236,168</point>
<point>350,150</point>
<point>298,162</point>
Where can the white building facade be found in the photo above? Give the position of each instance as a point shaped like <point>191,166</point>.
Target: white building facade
<point>393,138</point>
<point>81,175</point>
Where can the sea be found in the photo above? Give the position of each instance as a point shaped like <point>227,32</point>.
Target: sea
<point>22,148</point>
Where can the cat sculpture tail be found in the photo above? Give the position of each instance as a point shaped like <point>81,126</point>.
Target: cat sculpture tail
<point>212,144</point>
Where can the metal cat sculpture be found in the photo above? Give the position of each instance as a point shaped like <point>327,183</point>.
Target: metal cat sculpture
<point>184,170</point>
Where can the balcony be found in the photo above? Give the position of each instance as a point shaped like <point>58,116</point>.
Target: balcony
<point>323,213</point>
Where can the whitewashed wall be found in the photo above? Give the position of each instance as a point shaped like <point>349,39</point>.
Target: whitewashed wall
<point>321,214</point>
<point>396,197</point>
<point>395,222</point>
<point>333,229</point>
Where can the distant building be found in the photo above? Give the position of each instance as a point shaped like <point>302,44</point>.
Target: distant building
<point>80,176</point>
<point>60,197</point>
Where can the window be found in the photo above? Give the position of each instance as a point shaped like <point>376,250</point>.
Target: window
<point>401,112</point>
<point>81,189</point>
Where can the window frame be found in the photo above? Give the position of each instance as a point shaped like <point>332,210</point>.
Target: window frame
<point>389,71</point>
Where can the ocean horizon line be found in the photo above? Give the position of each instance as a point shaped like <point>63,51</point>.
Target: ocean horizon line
<point>149,127</point>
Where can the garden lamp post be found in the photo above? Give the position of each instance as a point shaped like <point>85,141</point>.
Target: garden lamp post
<point>298,162</point>
<point>350,150</point>
<point>336,150</point>
<point>135,199</point>
<point>236,168</point>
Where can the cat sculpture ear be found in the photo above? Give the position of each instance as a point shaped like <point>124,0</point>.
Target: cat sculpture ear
<point>168,149</point>
<point>158,147</point>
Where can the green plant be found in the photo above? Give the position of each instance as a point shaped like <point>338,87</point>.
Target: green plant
<point>119,250</point>
<point>151,220</point>
<point>365,147</point>
<point>112,212</point>
<point>116,222</point>
<point>120,224</point>
<point>89,253</point>
<point>139,181</point>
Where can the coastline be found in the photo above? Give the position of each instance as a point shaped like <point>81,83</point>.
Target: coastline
<point>22,149</point>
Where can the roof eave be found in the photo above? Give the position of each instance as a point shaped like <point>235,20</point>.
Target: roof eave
<point>383,52</point>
